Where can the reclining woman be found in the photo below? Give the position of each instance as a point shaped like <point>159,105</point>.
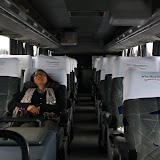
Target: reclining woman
<point>40,97</point>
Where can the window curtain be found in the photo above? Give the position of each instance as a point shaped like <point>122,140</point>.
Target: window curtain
<point>156,48</point>
<point>13,47</point>
<point>28,49</point>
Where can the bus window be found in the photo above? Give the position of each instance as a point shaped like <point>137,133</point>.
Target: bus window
<point>135,51</point>
<point>35,49</point>
<point>4,45</point>
<point>149,48</point>
<point>125,52</point>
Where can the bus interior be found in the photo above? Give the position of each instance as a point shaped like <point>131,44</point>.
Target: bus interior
<point>106,55</point>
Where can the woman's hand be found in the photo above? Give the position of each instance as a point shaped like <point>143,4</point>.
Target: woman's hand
<point>33,110</point>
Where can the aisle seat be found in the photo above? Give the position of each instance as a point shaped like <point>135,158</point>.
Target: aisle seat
<point>141,106</point>
<point>60,62</point>
<point>42,144</point>
<point>25,62</point>
<point>120,66</point>
<point>113,120</point>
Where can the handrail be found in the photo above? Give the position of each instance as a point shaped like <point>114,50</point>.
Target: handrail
<point>19,139</point>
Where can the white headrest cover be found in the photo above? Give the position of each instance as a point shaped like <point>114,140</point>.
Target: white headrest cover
<point>58,75</point>
<point>71,64</point>
<point>33,62</point>
<point>109,66</point>
<point>10,67</point>
<point>75,63</point>
<point>55,62</point>
<point>96,63</point>
<point>25,60</point>
<point>93,62</point>
<point>103,63</point>
<point>75,79</point>
<point>102,74</point>
<point>138,84</point>
<point>122,64</point>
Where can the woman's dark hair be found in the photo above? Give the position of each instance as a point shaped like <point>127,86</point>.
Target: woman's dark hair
<point>49,79</point>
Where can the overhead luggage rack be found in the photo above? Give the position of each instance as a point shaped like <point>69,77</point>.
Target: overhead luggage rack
<point>16,20</point>
<point>137,35</point>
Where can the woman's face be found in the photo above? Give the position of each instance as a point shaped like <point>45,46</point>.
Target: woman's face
<point>40,78</point>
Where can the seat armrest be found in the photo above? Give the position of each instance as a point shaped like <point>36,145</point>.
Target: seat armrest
<point>126,151</point>
<point>115,134</point>
<point>69,103</point>
<point>64,116</point>
<point>110,120</point>
<point>20,119</point>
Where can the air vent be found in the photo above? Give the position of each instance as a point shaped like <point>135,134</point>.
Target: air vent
<point>86,13</point>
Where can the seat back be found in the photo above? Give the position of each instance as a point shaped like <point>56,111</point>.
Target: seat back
<point>55,62</point>
<point>33,62</point>
<point>75,65</point>
<point>10,76</point>
<point>25,62</point>
<point>141,108</point>
<point>97,68</point>
<point>95,72</point>
<point>94,61</point>
<point>104,61</point>
<point>58,75</point>
<point>120,66</point>
<point>72,80</point>
<point>98,71</point>
<point>108,81</point>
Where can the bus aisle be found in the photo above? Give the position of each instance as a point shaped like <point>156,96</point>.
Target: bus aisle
<point>85,143</point>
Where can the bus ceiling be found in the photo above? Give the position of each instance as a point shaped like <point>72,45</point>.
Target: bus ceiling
<point>80,26</point>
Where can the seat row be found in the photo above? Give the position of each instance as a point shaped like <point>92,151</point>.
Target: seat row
<point>44,141</point>
<point>111,111</point>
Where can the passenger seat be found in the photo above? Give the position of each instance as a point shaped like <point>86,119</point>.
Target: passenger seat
<point>141,108</point>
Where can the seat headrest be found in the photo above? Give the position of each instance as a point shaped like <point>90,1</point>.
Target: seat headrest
<point>71,64</point>
<point>10,67</point>
<point>55,62</point>
<point>109,66</point>
<point>139,84</point>
<point>58,75</point>
<point>33,62</point>
<point>102,74</point>
<point>122,64</point>
<point>75,63</point>
<point>96,64</point>
<point>25,60</point>
<point>103,63</point>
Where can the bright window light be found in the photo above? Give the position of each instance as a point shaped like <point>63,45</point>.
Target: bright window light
<point>4,45</point>
<point>35,51</point>
<point>135,51</point>
<point>149,48</point>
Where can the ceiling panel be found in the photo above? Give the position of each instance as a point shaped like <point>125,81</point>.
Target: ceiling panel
<point>90,18</point>
<point>86,5</point>
<point>86,24</point>
<point>54,11</point>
